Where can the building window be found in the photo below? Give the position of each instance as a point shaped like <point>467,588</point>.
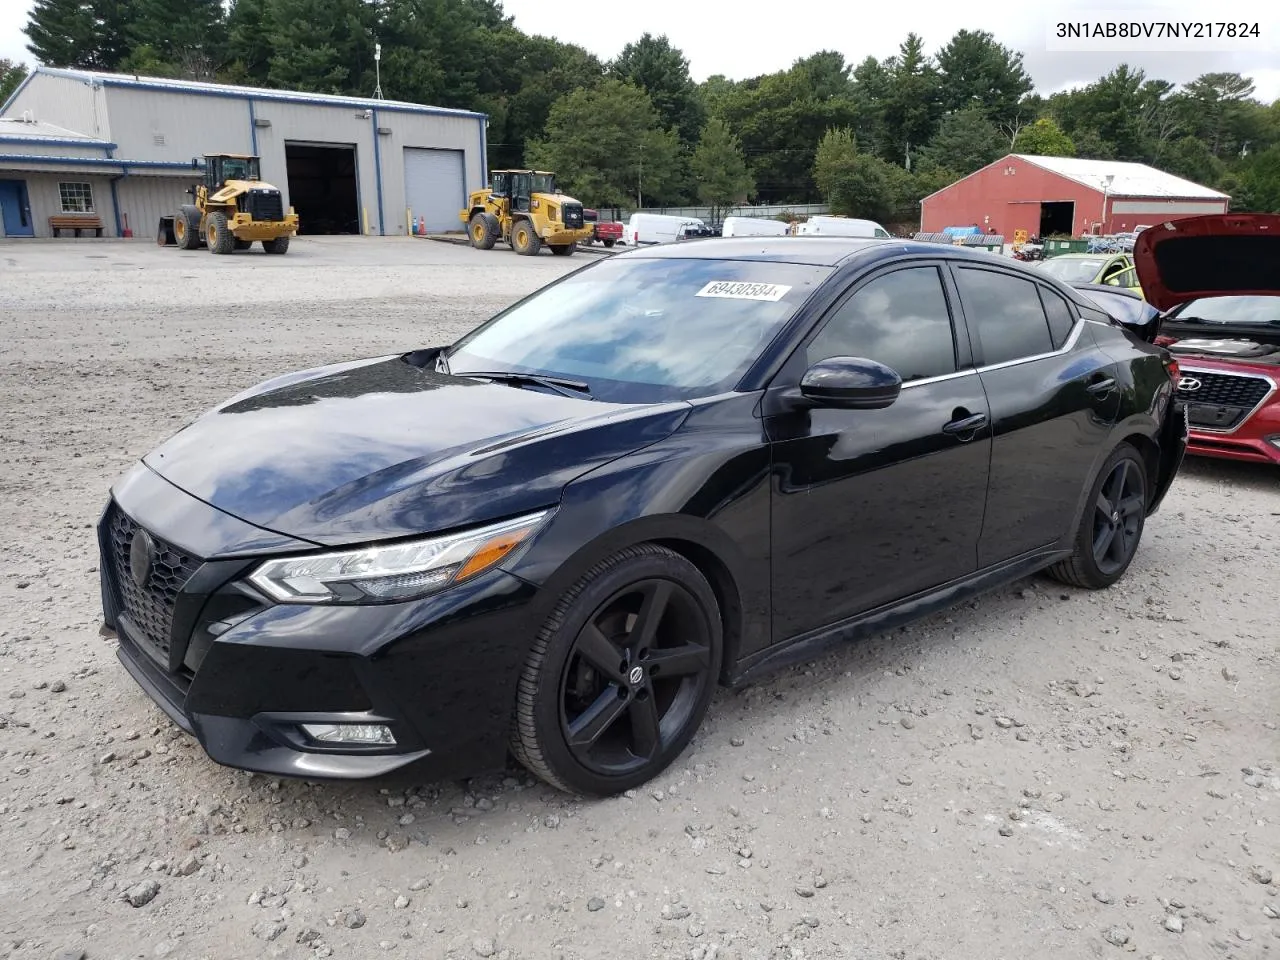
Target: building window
<point>76,197</point>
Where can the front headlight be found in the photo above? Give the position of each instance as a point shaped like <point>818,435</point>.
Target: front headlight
<point>397,571</point>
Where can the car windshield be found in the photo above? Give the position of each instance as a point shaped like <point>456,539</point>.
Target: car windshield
<point>1072,270</point>
<point>644,330</point>
<point>1230,310</point>
<point>543,183</point>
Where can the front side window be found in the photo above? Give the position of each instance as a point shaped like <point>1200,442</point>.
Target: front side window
<point>543,183</point>
<point>644,331</point>
<point>76,197</point>
<point>1005,313</point>
<point>1124,278</point>
<point>899,319</point>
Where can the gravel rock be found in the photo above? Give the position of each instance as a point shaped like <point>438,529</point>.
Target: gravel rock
<point>675,911</point>
<point>69,953</point>
<point>266,930</point>
<point>483,947</point>
<point>595,904</point>
<point>401,902</point>
<point>140,894</point>
<point>352,918</point>
<point>1116,936</point>
<point>1104,896</point>
<point>1260,874</point>
<point>1173,923</point>
<point>57,686</point>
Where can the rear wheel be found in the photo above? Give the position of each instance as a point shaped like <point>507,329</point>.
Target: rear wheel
<point>563,249</point>
<point>524,240</point>
<point>218,235</point>
<point>620,675</point>
<point>1112,525</point>
<point>483,230</point>
<point>243,244</point>
<point>608,243</point>
<point>186,227</point>
<point>278,245</point>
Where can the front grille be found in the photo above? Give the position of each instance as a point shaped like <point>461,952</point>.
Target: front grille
<point>1222,400</point>
<point>263,204</point>
<point>572,213</point>
<point>148,606</point>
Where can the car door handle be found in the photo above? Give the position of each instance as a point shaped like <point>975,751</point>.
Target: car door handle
<point>1100,388</point>
<point>966,424</point>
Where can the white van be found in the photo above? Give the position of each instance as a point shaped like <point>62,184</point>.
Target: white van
<point>753,227</point>
<point>647,228</point>
<point>824,226</point>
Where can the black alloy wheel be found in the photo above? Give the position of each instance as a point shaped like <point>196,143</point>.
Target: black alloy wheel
<point>1118,513</point>
<point>621,675</point>
<point>1111,526</point>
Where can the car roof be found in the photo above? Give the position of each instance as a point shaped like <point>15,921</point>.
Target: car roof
<point>810,251</point>
<point>1083,256</point>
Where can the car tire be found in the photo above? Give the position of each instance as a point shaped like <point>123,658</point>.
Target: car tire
<point>1110,531</point>
<point>609,243</point>
<point>609,695</point>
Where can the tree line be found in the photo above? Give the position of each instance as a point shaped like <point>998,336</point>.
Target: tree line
<point>870,138</point>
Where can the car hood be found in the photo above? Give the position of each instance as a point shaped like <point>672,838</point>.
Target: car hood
<point>1209,256</point>
<point>382,448</point>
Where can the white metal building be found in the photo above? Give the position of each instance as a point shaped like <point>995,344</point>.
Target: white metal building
<point>76,141</point>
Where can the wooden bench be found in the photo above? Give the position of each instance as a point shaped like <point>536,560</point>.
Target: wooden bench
<point>76,222</point>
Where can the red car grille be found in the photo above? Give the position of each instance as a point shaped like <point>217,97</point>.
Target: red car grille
<point>1220,401</point>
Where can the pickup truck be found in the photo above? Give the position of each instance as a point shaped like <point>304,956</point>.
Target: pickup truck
<point>608,232</point>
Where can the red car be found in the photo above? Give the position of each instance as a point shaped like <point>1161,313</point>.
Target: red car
<point>1216,280</point>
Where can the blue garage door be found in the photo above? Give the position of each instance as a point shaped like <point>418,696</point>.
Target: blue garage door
<point>435,186</point>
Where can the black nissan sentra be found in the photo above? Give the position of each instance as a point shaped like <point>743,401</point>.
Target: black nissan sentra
<point>675,468</point>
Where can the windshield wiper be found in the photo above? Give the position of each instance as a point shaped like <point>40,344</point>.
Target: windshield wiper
<point>566,388</point>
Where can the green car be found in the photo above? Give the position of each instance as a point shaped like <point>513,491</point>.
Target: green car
<point>1114,269</point>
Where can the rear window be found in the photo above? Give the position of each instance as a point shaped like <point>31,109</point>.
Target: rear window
<point>641,330</point>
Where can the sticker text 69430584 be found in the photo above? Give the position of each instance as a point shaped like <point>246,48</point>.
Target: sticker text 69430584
<point>738,290</point>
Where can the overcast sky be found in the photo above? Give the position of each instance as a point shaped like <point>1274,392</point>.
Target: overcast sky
<point>743,40</point>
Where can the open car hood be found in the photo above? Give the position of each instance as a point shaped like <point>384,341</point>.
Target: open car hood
<point>1222,254</point>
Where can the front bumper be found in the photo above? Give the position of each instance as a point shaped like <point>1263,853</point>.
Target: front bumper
<point>241,674</point>
<point>558,235</point>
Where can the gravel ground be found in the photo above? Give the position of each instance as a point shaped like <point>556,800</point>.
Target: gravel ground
<point>1045,772</point>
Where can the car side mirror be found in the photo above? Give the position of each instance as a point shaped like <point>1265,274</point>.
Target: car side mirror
<point>850,383</point>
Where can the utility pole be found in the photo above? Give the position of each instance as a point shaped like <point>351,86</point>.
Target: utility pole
<point>640,182</point>
<point>377,68</point>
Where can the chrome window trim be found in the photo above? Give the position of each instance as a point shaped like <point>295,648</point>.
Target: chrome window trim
<point>925,381</point>
<point>1230,373</point>
<point>1067,346</point>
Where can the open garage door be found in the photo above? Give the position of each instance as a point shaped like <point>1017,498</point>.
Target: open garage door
<point>322,187</point>
<point>435,186</point>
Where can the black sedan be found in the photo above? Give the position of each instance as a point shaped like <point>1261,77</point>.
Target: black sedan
<point>672,469</point>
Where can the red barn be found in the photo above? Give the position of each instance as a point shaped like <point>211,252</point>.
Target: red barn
<point>1049,196</point>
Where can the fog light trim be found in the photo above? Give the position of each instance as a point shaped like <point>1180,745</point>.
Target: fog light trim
<point>352,734</point>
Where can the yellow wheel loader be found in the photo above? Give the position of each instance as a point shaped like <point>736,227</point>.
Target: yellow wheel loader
<point>232,209</point>
<point>524,208</point>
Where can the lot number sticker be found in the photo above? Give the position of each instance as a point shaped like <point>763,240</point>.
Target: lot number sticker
<point>736,290</point>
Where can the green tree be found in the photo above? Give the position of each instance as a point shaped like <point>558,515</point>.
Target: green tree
<point>544,70</point>
<point>911,105</point>
<point>11,74</point>
<point>965,141</point>
<point>187,35</point>
<point>720,170</point>
<point>248,42</point>
<point>1190,157</point>
<point>857,184</point>
<point>1216,109</point>
<point>1110,109</point>
<point>88,34</point>
<point>662,71</point>
<point>608,146</point>
<point>1258,183</point>
<point>1044,138</point>
<point>975,70</point>
<point>323,46</point>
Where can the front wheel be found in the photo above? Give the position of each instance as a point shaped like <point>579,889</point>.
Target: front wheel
<point>218,235</point>
<point>620,675</point>
<point>483,231</point>
<point>524,240</point>
<point>1111,527</point>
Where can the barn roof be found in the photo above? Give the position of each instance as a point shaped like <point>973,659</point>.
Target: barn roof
<point>1129,179</point>
<point>37,132</point>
